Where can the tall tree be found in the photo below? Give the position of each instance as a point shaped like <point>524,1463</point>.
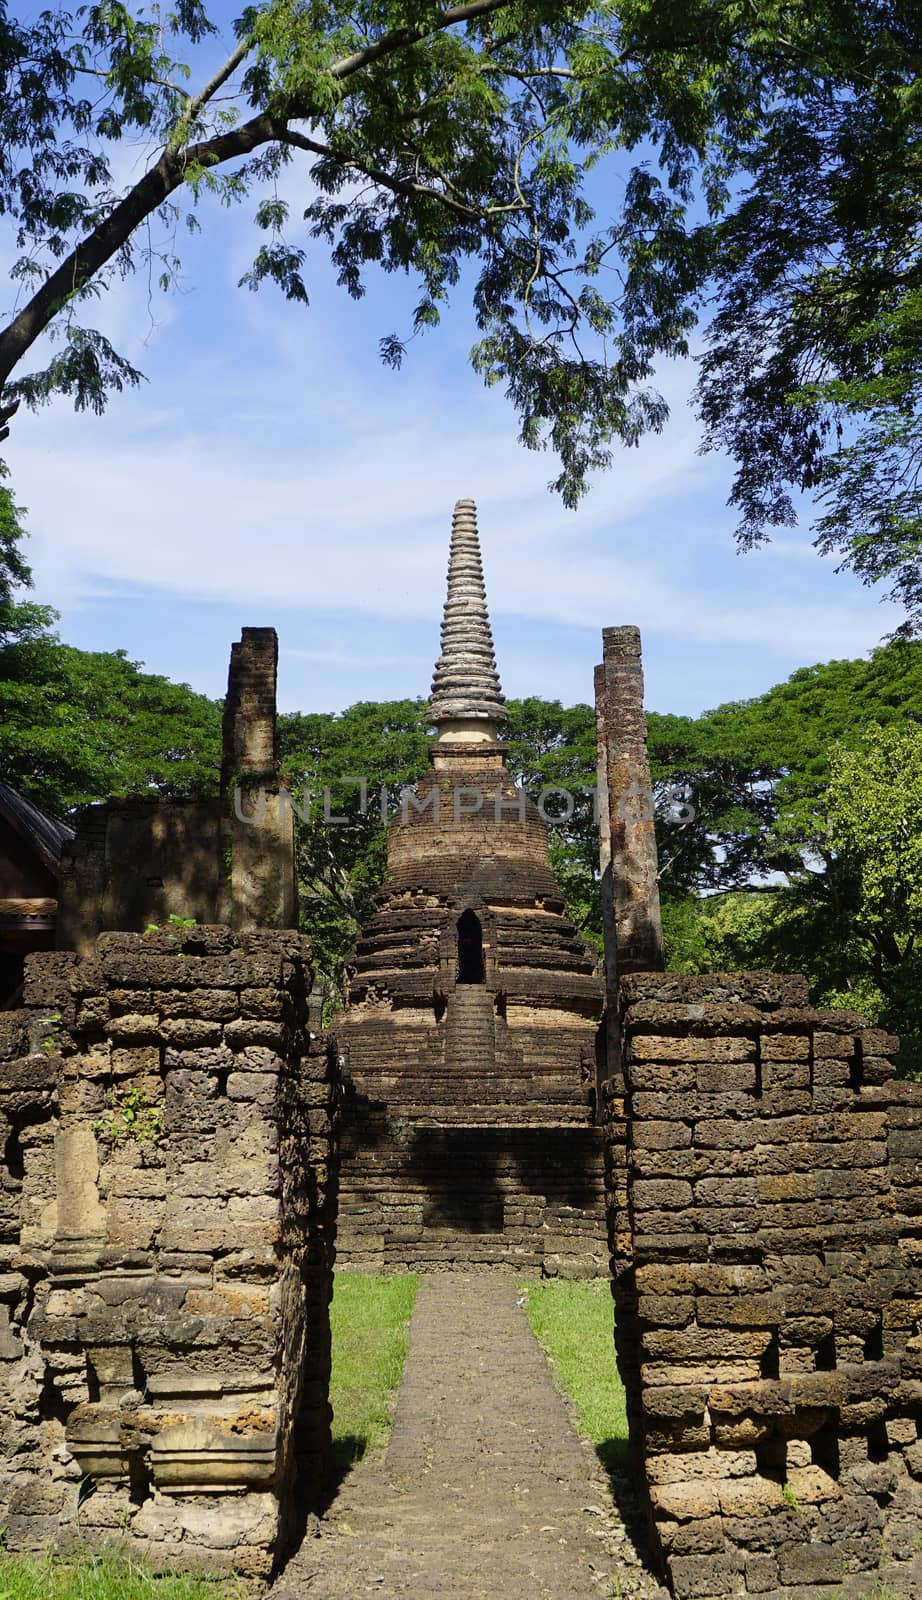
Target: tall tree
<point>78,726</point>
<point>873,816</point>
<point>762,878</point>
<point>613,172</point>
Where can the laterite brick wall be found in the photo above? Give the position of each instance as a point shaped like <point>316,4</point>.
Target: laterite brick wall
<point>766,1189</point>
<point>166,1239</point>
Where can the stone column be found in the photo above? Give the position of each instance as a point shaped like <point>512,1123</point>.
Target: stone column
<point>628,838</point>
<point>262,888</point>
<point>248,735</point>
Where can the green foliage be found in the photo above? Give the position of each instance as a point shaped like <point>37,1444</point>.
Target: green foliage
<point>805,841</point>
<point>14,570</point>
<point>574,1322</point>
<point>88,1576</point>
<point>77,726</point>
<point>604,177</point>
<point>132,1118</point>
<point>48,1043</point>
<point>758,767</point>
<point>873,813</point>
<point>369,1319</point>
<point>874,820</point>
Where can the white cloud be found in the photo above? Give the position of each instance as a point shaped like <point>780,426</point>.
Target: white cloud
<point>268,466</point>
<point>362,525</point>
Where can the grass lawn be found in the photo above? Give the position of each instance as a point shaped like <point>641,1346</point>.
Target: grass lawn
<point>88,1577</point>
<point>574,1323</point>
<point>370,1322</point>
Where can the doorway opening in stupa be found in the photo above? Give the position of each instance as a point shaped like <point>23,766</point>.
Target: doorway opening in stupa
<point>470,948</point>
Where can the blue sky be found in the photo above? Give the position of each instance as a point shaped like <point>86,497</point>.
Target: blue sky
<point>271,471</point>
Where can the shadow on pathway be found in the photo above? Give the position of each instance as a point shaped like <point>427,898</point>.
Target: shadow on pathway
<point>485,1491</point>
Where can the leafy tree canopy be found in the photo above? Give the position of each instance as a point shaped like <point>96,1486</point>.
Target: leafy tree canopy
<point>756,768</point>
<point>615,174</point>
<point>77,726</point>
<point>801,809</point>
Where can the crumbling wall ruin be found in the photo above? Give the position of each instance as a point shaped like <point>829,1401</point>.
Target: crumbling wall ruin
<point>166,1243</point>
<point>768,1286</point>
<point>138,860</point>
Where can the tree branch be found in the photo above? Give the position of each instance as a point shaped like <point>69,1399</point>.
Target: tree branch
<point>106,240</point>
<point>168,174</point>
<point>196,104</point>
<point>402,186</point>
<point>401,36</point>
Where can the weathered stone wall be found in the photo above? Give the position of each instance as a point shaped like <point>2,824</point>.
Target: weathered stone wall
<point>767,1248</point>
<point>166,1238</point>
<point>137,861</point>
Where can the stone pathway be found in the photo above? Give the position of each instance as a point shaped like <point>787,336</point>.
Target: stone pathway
<point>485,1491</point>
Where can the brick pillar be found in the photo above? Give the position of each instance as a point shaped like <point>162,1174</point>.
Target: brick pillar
<point>263,889</point>
<point>248,736</point>
<point>773,1300</point>
<point>627,834</point>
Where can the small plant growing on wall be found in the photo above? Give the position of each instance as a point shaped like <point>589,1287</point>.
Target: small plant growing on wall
<point>48,1043</point>
<point>182,924</point>
<point>130,1117</point>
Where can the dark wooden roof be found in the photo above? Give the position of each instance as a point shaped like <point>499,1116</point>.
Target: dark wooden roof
<point>46,835</point>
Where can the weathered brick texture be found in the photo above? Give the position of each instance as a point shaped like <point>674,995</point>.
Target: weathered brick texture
<point>767,1247</point>
<point>627,834</point>
<point>470,1136</point>
<point>136,861</point>
<point>166,1238</point>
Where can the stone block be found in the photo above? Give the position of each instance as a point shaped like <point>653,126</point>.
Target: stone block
<point>654,1193</point>
<point>257,1087</point>
<point>193,1033</point>
<point>784,1047</point>
<point>811,1486</point>
<point>255,1031</point>
<point>659,1135</point>
<point>740,1311</point>
<point>696,1465</point>
<point>704,1577</point>
<point>805,1563</point>
<point>675,1402</point>
<point>718,1076</point>
<point>750,1496</point>
<point>684,1502</point>
<point>761,1574</point>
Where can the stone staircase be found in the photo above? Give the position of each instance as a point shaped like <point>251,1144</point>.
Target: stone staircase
<point>479,1159</point>
<point>470,1033</point>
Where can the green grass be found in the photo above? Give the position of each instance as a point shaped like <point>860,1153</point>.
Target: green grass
<point>574,1322</point>
<point>370,1324</point>
<point>89,1577</point>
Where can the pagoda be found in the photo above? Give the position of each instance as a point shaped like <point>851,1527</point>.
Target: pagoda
<point>472,1019</point>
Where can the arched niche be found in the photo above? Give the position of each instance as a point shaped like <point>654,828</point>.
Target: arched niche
<point>470,948</point>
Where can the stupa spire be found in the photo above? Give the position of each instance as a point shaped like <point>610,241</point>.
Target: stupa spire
<point>466,702</point>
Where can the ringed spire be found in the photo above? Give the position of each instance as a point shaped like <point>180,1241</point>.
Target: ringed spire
<point>466,702</point>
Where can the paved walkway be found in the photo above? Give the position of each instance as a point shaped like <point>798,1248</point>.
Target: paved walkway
<point>485,1491</point>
